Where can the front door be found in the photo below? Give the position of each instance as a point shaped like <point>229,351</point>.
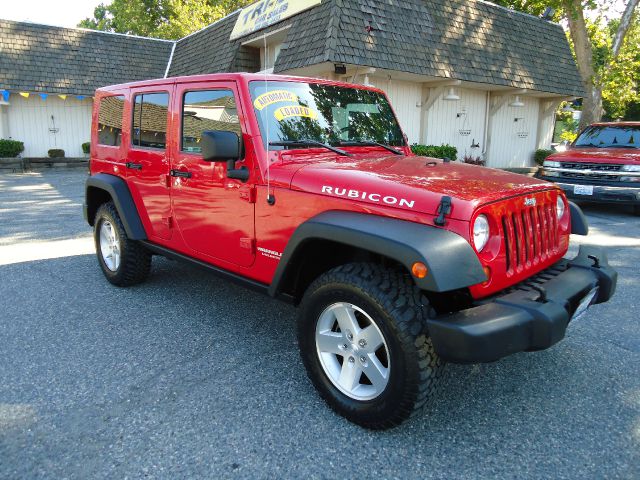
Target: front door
<point>147,164</point>
<point>215,214</point>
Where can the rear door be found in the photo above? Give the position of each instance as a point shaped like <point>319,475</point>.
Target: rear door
<point>147,162</point>
<point>215,214</point>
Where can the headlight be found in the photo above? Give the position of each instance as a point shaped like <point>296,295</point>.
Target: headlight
<point>480,232</point>
<point>560,208</point>
<point>552,164</point>
<point>630,168</point>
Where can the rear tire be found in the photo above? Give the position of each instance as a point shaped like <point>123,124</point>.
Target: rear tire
<point>123,261</point>
<point>363,340</point>
<point>636,210</point>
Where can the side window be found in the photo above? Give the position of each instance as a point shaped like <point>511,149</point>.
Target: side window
<point>207,110</point>
<point>150,120</point>
<point>110,120</point>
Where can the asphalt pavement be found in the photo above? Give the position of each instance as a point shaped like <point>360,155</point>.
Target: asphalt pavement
<point>188,375</point>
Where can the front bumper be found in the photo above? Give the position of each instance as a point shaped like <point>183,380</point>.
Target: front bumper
<point>625,193</point>
<point>532,315</point>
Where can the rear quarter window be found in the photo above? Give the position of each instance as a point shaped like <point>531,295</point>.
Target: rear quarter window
<point>110,114</point>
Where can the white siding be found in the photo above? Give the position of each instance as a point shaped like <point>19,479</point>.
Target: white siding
<point>514,142</point>
<point>29,121</point>
<point>459,123</point>
<point>404,97</point>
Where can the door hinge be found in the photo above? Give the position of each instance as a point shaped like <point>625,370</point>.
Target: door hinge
<point>248,244</point>
<point>168,221</point>
<point>248,194</point>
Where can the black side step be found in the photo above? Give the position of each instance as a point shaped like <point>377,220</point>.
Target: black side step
<point>227,275</point>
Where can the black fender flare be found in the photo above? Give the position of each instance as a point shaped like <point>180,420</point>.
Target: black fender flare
<point>451,261</point>
<point>579,223</point>
<point>117,188</point>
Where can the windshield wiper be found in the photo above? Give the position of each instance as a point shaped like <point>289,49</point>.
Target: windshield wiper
<point>306,143</point>
<point>353,143</point>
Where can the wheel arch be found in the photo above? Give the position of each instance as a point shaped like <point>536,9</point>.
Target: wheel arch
<point>336,237</point>
<point>102,188</point>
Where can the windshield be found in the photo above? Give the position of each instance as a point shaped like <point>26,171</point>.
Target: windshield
<point>293,111</point>
<point>623,136</point>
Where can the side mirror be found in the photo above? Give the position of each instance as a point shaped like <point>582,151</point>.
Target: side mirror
<point>220,146</point>
<point>224,146</point>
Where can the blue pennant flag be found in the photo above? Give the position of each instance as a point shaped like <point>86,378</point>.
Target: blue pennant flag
<point>5,95</point>
<point>80,97</point>
<point>44,96</point>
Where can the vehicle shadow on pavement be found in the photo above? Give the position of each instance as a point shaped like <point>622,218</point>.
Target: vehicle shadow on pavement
<point>192,367</point>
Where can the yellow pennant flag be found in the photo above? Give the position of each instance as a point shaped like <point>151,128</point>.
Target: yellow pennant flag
<point>24,94</point>
<point>63,97</point>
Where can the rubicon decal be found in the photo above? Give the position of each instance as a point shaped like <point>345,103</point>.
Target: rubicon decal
<point>372,197</point>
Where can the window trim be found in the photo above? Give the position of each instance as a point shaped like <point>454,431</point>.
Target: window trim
<point>124,101</point>
<point>133,110</point>
<point>208,89</point>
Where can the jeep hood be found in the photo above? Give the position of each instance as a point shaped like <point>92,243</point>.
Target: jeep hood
<point>413,183</point>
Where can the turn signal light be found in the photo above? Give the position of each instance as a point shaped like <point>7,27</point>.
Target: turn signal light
<point>487,272</point>
<point>419,270</point>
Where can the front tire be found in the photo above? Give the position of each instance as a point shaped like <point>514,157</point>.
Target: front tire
<point>363,340</point>
<point>123,261</point>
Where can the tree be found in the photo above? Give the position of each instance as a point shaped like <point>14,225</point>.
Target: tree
<point>573,12</point>
<point>169,19</point>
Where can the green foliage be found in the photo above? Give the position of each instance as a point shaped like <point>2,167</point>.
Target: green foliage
<point>621,80</point>
<point>56,153</point>
<point>435,151</point>
<point>10,148</point>
<point>541,155</point>
<point>169,19</point>
<point>86,147</point>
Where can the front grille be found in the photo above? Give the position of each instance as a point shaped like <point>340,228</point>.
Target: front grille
<point>530,236</point>
<point>580,174</point>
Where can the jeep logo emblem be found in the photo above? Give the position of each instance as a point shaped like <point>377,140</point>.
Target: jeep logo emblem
<point>529,202</point>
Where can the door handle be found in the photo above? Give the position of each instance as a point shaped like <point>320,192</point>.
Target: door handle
<point>180,173</point>
<point>134,166</point>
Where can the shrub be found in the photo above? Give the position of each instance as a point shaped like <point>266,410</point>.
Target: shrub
<point>435,151</point>
<point>470,159</point>
<point>56,153</point>
<point>541,155</point>
<point>86,147</point>
<point>10,148</point>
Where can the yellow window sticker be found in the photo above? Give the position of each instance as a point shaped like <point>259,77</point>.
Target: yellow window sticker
<point>274,96</point>
<point>296,111</point>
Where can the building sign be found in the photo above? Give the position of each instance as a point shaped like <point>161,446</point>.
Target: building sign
<point>267,12</point>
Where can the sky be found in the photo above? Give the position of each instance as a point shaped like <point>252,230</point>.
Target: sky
<point>63,13</point>
<point>67,13</point>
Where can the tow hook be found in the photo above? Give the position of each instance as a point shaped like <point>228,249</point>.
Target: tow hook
<point>443,209</point>
<point>596,261</point>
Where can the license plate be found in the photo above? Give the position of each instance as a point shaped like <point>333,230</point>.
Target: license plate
<point>583,189</point>
<point>585,303</point>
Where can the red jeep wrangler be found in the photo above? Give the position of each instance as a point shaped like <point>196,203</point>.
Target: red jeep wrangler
<point>602,165</point>
<point>307,191</point>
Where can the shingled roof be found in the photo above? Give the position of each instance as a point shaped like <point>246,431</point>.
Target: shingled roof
<point>42,58</point>
<point>469,40</point>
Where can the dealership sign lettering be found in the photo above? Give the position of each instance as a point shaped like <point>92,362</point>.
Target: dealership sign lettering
<point>267,12</point>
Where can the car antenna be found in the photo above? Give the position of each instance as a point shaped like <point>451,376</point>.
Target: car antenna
<point>271,199</point>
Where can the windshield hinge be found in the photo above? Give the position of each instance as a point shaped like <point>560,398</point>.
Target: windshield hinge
<point>443,209</point>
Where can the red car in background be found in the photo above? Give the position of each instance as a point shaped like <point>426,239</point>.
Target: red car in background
<point>602,165</point>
